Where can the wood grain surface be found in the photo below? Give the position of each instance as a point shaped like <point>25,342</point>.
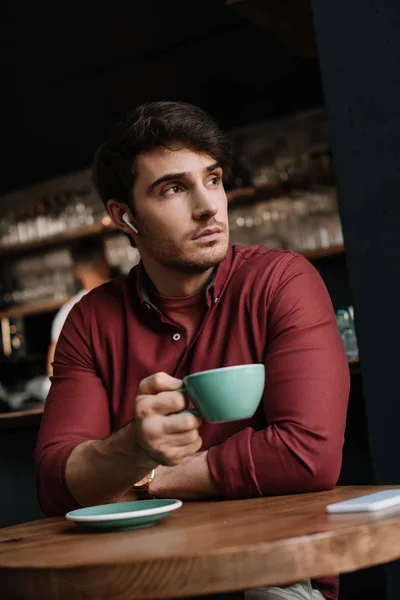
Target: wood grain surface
<point>203,548</point>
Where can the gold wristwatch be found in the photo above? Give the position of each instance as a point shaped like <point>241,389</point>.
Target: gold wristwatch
<point>141,488</point>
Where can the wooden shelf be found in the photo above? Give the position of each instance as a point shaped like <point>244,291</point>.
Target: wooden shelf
<point>67,236</point>
<point>241,192</point>
<point>32,308</point>
<point>323,252</point>
<point>21,418</point>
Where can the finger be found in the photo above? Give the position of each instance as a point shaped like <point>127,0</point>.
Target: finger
<point>164,403</point>
<point>159,382</point>
<point>174,455</point>
<point>182,422</point>
<point>153,433</point>
<point>194,447</point>
<point>180,440</point>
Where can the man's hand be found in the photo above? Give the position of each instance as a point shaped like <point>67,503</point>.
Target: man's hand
<point>101,471</point>
<point>166,436</point>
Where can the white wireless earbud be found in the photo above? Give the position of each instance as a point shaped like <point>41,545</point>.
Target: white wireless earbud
<point>126,219</point>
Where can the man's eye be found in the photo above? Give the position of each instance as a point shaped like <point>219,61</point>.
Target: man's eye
<point>174,189</point>
<point>214,181</point>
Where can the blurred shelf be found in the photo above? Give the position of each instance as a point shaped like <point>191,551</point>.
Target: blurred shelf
<point>242,192</point>
<point>323,252</point>
<point>253,193</point>
<point>31,308</point>
<point>270,191</point>
<point>67,236</point>
<point>22,418</point>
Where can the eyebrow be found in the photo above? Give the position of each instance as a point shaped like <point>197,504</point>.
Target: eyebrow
<point>182,175</point>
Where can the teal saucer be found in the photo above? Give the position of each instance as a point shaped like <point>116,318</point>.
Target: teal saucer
<point>124,515</point>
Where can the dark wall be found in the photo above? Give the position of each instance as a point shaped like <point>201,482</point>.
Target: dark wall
<point>69,71</point>
<point>362,90</point>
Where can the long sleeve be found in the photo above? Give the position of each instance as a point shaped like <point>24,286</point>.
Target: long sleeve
<point>305,398</point>
<point>77,409</point>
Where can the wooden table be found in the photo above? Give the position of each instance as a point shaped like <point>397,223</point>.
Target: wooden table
<point>203,548</point>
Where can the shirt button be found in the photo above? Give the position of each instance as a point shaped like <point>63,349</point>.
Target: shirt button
<point>176,337</point>
<point>216,300</point>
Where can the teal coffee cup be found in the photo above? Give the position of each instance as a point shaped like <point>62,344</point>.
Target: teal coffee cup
<point>226,394</point>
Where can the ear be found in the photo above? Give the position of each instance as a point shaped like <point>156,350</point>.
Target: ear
<point>117,210</point>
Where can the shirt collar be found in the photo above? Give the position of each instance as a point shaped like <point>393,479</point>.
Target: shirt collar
<point>213,289</point>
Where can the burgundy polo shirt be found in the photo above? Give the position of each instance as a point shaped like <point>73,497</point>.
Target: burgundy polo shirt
<point>264,306</point>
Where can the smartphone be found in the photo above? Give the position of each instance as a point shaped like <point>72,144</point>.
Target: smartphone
<point>368,503</point>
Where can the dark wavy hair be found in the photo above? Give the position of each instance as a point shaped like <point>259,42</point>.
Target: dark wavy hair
<point>153,125</point>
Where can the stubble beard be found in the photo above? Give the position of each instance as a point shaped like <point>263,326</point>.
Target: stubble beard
<point>163,251</point>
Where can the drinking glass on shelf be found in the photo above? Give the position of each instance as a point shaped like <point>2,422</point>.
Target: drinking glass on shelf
<point>346,327</point>
<point>42,226</point>
<point>296,225</point>
<point>120,253</point>
<point>6,229</point>
<point>260,223</point>
<point>326,231</point>
<point>73,215</point>
<point>332,231</point>
<point>315,221</point>
<point>276,213</point>
<point>51,215</point>
<point>13,228</point>
<point>266,175</point>
<point>240,224</point>
<point>322,200</point>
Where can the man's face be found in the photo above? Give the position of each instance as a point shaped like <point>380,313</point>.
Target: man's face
<point>180,210</point>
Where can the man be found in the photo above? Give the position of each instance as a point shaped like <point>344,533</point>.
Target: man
<point>91,269</point>
<point>193,303</point>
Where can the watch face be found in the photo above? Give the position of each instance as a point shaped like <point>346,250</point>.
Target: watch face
<point>143,481</point>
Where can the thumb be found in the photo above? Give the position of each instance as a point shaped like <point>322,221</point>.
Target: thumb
<point>159,382</point>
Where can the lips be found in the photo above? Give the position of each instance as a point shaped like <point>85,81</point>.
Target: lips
<point>209,231</point>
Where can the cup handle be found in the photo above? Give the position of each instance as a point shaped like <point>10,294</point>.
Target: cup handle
<point>189,410</point>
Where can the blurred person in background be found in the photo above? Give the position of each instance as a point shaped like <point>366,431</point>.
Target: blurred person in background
<point>91,268</point>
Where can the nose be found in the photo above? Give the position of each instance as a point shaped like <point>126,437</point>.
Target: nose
<point>204,204</point>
